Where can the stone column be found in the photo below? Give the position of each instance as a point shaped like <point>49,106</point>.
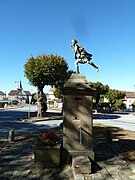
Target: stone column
<point>77,116</point>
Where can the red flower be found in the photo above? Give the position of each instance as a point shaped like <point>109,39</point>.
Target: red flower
<point>50,135</point>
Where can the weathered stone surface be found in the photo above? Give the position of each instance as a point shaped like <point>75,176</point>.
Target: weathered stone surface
<point>77,116</point>
<point>81,165</point>
<point>78,177</point>
<point>78,84</point>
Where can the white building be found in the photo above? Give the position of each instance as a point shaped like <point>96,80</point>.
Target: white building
<point>129,99</point>
<point>2,95</point>
<point>52,101</point>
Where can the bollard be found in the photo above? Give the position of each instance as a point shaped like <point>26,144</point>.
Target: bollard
<point>11,135</point>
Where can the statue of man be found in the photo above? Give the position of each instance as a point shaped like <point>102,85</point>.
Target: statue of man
<point>81,55</point>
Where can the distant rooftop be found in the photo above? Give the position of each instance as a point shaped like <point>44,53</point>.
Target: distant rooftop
<point>2,93</point>
<point>130,94</point>
<point>15,92</point>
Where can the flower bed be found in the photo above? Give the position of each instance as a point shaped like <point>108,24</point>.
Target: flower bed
<point>47,149</point>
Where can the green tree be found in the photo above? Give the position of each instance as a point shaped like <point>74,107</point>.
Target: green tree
<point>58,93</point>
<point>101,90</point>
<point>34,98</point>
<point>44,101</point>
<point>59,86</point>
<point>45,70</point>
<point>120,105</point>
<point>113,95</point>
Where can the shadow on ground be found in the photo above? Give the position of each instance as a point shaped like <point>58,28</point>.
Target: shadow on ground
<point>105,116</point>
<point>123,141</point>
<point>109,142</point>
<point>13,120</point>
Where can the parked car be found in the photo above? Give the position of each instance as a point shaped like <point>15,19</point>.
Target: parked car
<point>2,105</point>
<point>14,102</point>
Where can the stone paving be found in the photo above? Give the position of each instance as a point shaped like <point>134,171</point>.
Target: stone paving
<point>16,162</point>
<point>112,165</point>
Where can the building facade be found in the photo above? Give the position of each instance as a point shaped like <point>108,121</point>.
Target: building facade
<point>21,97</point>
<point>2,96</point>
<point>129,99</point>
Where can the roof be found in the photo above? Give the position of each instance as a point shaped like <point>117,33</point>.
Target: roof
<point>15,92</point>
<point>28,93</point>
<point>2,93</point>
<point>130,94</point>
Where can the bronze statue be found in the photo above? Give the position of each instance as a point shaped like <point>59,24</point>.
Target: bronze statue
<point>81,55</point>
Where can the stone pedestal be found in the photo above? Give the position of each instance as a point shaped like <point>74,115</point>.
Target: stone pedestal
<point>81,165</point>
<point>77,116</point>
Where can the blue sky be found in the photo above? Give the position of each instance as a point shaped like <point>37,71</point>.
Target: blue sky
<point>106,28</point>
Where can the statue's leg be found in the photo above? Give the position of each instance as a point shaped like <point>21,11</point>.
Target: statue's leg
<point>77,69</point>
<point>92,64</point>
<point>77,66</point>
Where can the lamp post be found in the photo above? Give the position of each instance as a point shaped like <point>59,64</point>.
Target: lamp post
<point>30,97</point>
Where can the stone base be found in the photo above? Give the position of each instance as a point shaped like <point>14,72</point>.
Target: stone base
<point>87,153</point>
<point>81,165</point>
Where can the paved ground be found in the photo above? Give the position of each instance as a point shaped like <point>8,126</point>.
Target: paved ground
<point>125,121</point>
<point>17,163</point>
<point>10,119</point>
<point>16,159</point>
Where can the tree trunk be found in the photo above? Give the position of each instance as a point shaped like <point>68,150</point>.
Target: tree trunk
<point>97,99</point>
<point>39,101</point>
<point>133,108</point>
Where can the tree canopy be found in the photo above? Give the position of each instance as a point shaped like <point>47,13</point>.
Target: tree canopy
<point>101,90</point>
<point>114,94</point>
<point>59,86</point>
<point>45,70</point>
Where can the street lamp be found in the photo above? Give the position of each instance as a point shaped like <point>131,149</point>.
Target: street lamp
<point>30,97</point>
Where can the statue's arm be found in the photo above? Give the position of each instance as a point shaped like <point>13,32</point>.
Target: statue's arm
<point>73,49</point>
<point>71,46</point>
